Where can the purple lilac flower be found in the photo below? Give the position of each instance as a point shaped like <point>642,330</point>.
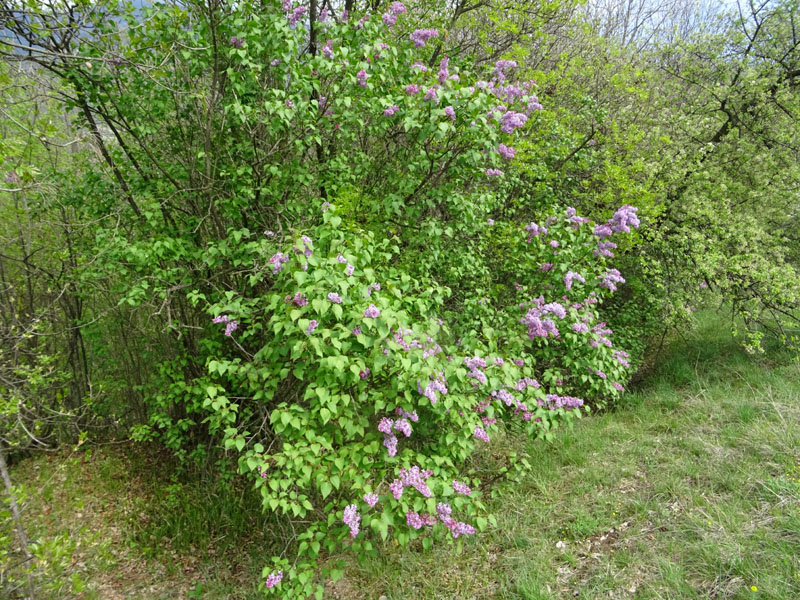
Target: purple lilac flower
<point>481,434</point>
<point>450,112</point>
<point>361,78</point>
<point>275,62</point>
<point>624,219</point>
<point>443,72</point>
<point>460,528</point>
<point>352,519</point>
<point>500,68</point>
<point>386,425</point>
<point>349,270</point>
<point>335,298</point>
<point>602,231</point>
<point>411,416</point>
<point>372,312</point>
<point>554,308</point>
<point>538,326</point>
<point>414,477</point>
<point>356,330</point>
<point>493,172</point>
<point>371,499</point>
<point>605,249</point>
<point>527,382</point>
<point>236,42</point>
<point>231,327</point>
<point>323,15</point>
<point>432,93</point>
<point>403,426</point>
<point>553,244</point>
<point>570,277</point>
<point>600,374</point>
<point>421,36</point>
<point>391,110</point>
<point>617,386</point>
<point>553,402</point>
<point>220,319</point>
<point>505,396</point>
<point>296,15</point>
<point>277,261</point>
<point>461,488</point>
<point>611,278</point>
<point>364,374</point>
<point>274,579</point>
<point>491,221</point>
<point>325,206</point>
<point>413,520</point>
<point>311,327</point>
<point>412,89</point>
<point>396,488</point>
<point>506,151</point>
<point>327,49</point>
<point>519,362</point>
<point>545,267</point>
<point>390,442</point>
<point>512,120</point>
<point>534,229</point>
<point>580,328</point>
<point>300,299</point>
<point>341,259</point>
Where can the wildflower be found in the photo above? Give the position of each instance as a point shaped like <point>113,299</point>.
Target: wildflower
<point>274,579</point>
<point>335,298</point>
<point>311,327</point>
<point>372,312</point>
<point>352,519</point>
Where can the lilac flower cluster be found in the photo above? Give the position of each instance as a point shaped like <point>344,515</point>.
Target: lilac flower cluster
<point>335,298</point>
<point>480,433</point>
<point>391,110</point>
<point>553,402</point>
<point>432,93</point>
<point>461,488</point>
<point>300,299</point>
<point>493,172</point>
<point>533,230</point>
<point>506,151</point>
<point>512,120</point>
<point>621,357</point>
<point>413,477</point>
<point>412,89</point>
<point>570,277</point>
<point>372,312</point>
<point>525,383</point>
<point>421,36</point>
<point>327,49</point>
<point>361,78</point>
<point>395,10</point>
<point>537,321</point>
<point>450,112</point>
<point>601,332</point>
<point>436,384</point>
<point>274,579</point>
<point>311,326</point>
<point>230,324</point>
<point>605,249</point>
<point>352,519</point>
<point>371,499</point>
<point>611,278</point>
<point>277,261</point>
<point>475,365</point>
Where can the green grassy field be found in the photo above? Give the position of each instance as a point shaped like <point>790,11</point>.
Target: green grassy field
<point>689,489</point>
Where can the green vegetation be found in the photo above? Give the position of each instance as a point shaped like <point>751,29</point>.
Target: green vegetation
<point>353,286</point>
<point>690,488</point>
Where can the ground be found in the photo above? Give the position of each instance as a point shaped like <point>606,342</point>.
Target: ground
<point>690,488</point>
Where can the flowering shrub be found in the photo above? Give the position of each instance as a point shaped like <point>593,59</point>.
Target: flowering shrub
<point>361,378</point>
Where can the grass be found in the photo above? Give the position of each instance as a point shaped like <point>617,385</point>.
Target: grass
<point>689,489</point>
